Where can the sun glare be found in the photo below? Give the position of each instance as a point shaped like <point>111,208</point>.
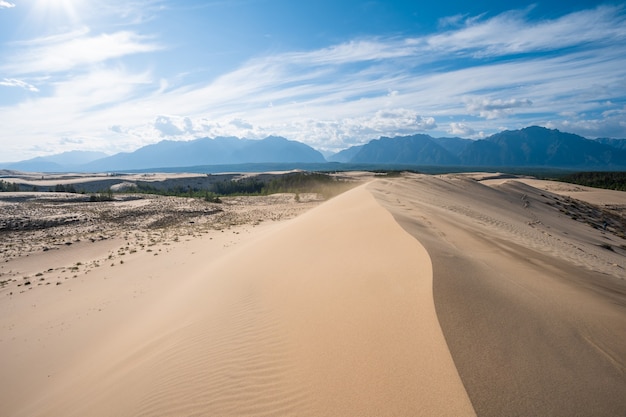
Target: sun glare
<point>58,11</point>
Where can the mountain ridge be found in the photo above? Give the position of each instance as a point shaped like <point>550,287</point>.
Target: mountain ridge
<point>532,146</point>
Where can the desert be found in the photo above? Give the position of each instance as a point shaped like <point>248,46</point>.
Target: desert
<point>458,294</point>
<point>312,208</point>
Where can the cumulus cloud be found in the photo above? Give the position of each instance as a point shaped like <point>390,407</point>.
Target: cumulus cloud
<point>341,94</point>
<point>608,124</point>
<point>167,126</point>
<point>241,124</point>
<point>386,122</point>
<point>492,109</point>
<point>6,5</point>
<point>461,129</point>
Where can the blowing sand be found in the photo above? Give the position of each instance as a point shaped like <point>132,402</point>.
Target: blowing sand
<point>413,296</point>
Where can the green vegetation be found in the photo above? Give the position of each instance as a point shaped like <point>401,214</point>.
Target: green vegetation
<point>177,191</point>
<point>324,184</point>
<point>306,182</point>
<point>9,186</point>
<point>296,182</point>
<point>248,186</point>
<point>608,180</point>
<point>64,188</point>
<point>102,196</point>
<point>394,173</point>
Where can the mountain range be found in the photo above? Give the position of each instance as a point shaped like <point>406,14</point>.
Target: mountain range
<point>529,147</point>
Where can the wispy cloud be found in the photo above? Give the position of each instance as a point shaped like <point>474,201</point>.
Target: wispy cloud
<point>68,51</point>
<point>8,82</point>
<point>492,109</point>
<point>512,33</point>
<point>133,12</point>
<point>474,77</point>
<point>6,5</point>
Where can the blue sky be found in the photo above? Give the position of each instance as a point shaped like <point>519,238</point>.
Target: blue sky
<point>116,75</point>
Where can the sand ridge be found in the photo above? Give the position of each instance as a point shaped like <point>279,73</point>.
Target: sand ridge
<point>531,301</point>
<point>330,313</point>
<point>420,295</point>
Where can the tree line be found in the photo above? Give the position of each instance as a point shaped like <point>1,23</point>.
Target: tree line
<point>607,180</point>
<point>6,186</point>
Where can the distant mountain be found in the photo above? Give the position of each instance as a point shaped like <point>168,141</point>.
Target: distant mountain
<point>345,155</point>
<point>530,147</point>
<point>413,150</point>
<point>66,161</point>
<point>275,149</point>
<point>206,151</point>
<point>541,147</point>
<point>615,143</point>
<point>455,146</point>
<point>75,157</point>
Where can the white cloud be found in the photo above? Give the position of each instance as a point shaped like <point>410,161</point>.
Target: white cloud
<point>355,51</point>
<point>167,127</point>
<point>6,5</point>
<point>241,124</point>
<point>334,96</point>
<point>492,109</point>
<point>10,82</point>
<point>461,129</point>
<point>511,33</point>
<point>75,49</point>
<point>608,124</point>
<point>133,12</point>
<point>455,20</point>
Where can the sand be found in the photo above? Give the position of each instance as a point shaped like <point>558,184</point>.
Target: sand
<point>412,296</point>
<point>531,298</point>
<point>330,313</point>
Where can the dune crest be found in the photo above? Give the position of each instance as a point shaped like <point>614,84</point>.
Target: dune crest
<point>330,313</point>
<point>529,289</point>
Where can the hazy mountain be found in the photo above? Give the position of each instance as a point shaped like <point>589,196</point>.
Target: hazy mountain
<point>615,143</point>
<point>454,145</point>
<point>405,150</point>
<point>530,147</point>
<point>538,146</point>
<point>276,149</point>
<point>75,157</point>
<point>218,151</point>
<point>345,155</point>
<point>66,161</point>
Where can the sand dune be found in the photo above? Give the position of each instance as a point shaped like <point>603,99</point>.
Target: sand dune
<point>532,301</point>
<point>328,314</point>
<point>413,296</point>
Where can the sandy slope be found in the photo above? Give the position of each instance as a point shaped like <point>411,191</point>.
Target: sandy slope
<point>517,309</point>
<point>331,313</point>
<point>591,195</point>
<point>532,302</point>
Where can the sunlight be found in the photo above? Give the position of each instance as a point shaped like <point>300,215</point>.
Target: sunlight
<point>58,10</point>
